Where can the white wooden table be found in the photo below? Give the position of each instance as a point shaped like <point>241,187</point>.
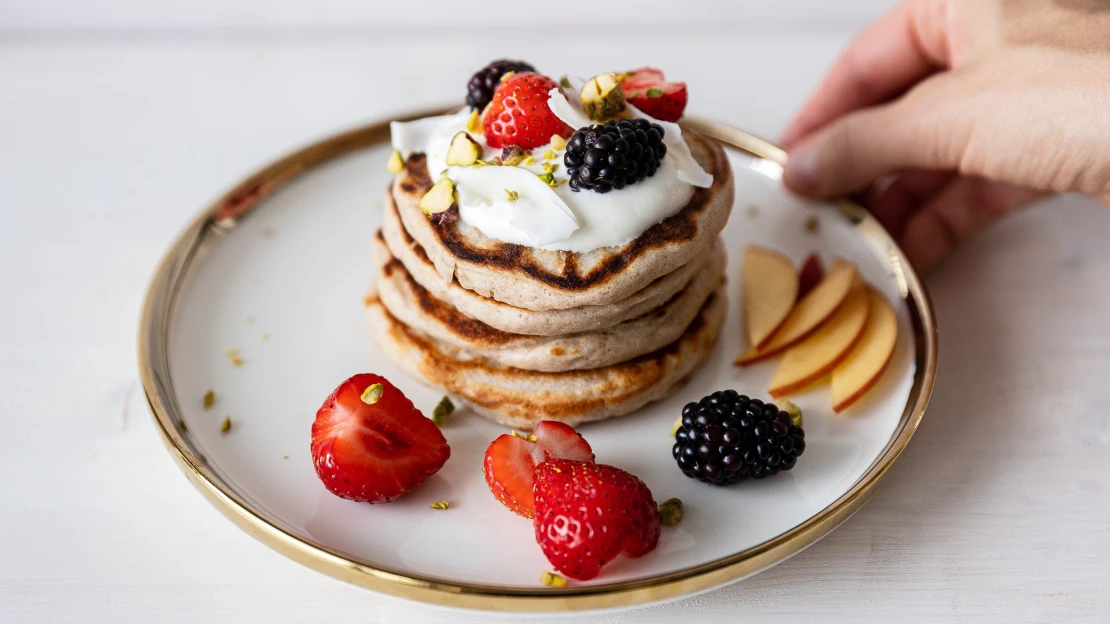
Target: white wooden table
<point>998,511</point>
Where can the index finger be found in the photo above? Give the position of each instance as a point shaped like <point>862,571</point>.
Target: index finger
<point>905,46</point>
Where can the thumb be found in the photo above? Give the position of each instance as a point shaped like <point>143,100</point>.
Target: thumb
<point>849,154</point>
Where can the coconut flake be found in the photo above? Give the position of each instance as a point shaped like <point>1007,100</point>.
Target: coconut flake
<point>688,168</point>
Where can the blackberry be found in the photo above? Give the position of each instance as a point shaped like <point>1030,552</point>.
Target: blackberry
<point>480,90</point>
<point>611,156</point>
<point>727,437</point>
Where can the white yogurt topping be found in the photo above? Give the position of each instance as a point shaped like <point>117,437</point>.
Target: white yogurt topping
<point>538,217</point>
<point>553,218</point>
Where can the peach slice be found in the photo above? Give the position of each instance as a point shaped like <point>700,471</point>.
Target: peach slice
<point>770,287</point>
<point>813,310</point>
<point>818,354</point>
<point>863,367</point>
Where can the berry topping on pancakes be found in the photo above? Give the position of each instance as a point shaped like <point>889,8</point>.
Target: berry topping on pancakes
<point>479,91</point>
<point>518,113</point>
<point>646,89</point>
<point>611,156</point>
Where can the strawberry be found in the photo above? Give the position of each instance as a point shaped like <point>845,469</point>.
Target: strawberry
<point>646,89</point>
<point>587,514</point>
<point>510,460</point>
<point>369,443</point>
<point>518,113</point>
<point>812,272</point>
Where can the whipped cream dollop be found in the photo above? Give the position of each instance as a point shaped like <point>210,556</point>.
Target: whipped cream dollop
<point>553,218</point>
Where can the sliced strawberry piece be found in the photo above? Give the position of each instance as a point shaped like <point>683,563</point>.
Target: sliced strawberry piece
<point>812,273</point>
<point>518,113</point>
<point>510,460</point>
<point>587,514</point>
<point>370,444</point>
<point>646,89</point>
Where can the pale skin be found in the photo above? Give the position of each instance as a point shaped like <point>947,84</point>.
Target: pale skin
<point>947,114</point>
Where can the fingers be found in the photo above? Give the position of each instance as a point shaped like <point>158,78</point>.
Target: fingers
<point>851,153</point>
<point>956,213</point>
<point>894,199</point>
<point>902,48</point>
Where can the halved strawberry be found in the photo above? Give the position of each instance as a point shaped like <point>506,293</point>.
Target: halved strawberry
<point>587,514</point>
<point>510,460</point>
<point>370,444</point>
<point>646,89</point>
<point>518,113</point>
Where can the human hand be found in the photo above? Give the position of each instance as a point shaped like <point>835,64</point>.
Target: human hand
<point>950,113</point>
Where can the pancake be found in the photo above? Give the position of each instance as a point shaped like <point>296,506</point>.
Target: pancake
<point>519,320</point>
<point>521,398</point>
<point>413,305</point>
<point>542,280</point>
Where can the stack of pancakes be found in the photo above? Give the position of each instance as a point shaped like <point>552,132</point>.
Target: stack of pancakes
<point>523,334</point>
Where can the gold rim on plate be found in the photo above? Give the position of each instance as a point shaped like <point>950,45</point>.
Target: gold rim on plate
<point>207,229</point>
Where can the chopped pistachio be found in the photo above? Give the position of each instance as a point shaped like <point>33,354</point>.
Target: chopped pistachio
<point>396,164</point>
<point>558,142</point>
<point>528,161</point>
<point>511,155</point>
<point>285,457</point>
<point>439,198</point>
<point>474,123</point>
<point>654,92</point>
<point>550,155</point>
<point>550,167</point>
<point>209,399</point>
<point>531,437</point>
<point>442,410</point>
<point>372,393</point>
<point>676,426</point>
<point>812,224</point>
<point>512,195</point>
<point>441,505</point>
<point>634,95</point>
<point>548,179</point>
<point>225,426</point>
<point>507,75</point>
<point>795,412</point>
<point>479,164</point>
<point>670,511</point>
<point>463,151</point>
<point>565,83</point>
<point>552,580</point>
<point>602,97</point>
<point>233,355</point>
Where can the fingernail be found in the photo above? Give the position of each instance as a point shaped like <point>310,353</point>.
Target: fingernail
<point>801,170</point>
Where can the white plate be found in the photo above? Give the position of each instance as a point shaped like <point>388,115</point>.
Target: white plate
<point>284,287</point>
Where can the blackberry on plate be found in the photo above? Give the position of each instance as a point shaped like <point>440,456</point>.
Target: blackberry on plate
<point>482,84</point>
<point>602,157</point>
<point>727,437</point>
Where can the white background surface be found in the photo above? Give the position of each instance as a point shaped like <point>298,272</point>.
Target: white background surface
<point>118,121</point>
